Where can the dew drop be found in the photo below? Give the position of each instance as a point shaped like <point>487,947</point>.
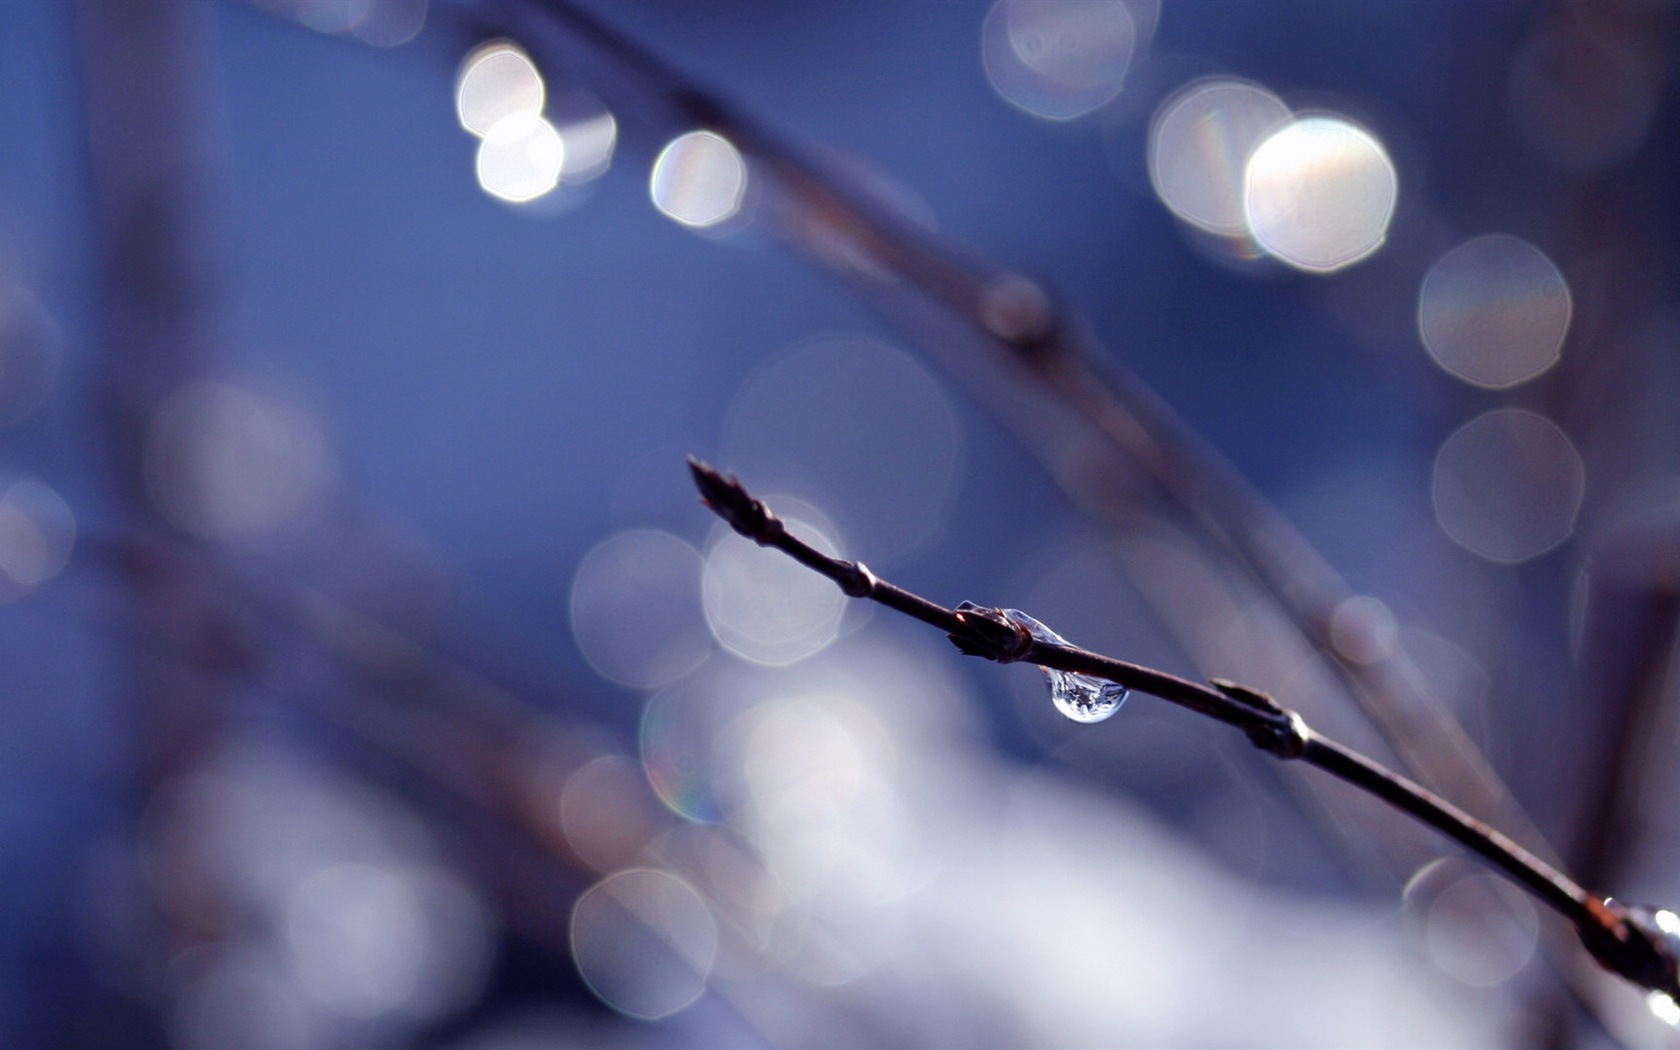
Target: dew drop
<point>1081,697</point>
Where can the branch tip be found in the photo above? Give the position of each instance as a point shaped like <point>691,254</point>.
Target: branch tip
<point>726,497</point>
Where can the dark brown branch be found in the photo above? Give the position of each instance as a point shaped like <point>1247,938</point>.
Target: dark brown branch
<point>1626,941</point>
<point>1037,343</point>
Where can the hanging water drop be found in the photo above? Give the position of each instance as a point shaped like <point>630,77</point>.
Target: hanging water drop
<point>1081,697</point>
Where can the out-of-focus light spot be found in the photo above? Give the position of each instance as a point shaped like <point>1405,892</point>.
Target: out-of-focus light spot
<point>636,610</point>
<point>699,179</point>
<point>1319,193</point>
<point>589,144</point>
<point>644,941</point>
<point>221,461</point>
<point>1200,142</point>
<point>859,428</point>
<point>382,23</point>
<point>1061,59</point>
<point>817,802</point>
<point>765,607</point>
<point>1667,921</point>
<point>331,16</point>
<point>1583,97</point>
<point>1663,1008</point>
<point>1494,311</point>
<point>520,158</point>
<point>37,534</point>
<point>1363,630</point>
<point>30,349</point>
<point>676,737</point>
<point>606,813</point>
<point>1508,485</point>
<point>1480,930</point>
<point>391,23</point>
<point>497,81</point>
<point>374,940</point>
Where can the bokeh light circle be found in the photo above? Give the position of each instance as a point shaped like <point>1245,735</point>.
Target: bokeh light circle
<point>762,605</point>
<point>1061,59</point>
<point>223,461</point>
<point>376,939</point>
<point>678,758</point>
<point>1494,311</point>
<point>1508,485</point>
<point>37,535</point>
<point>607,813</point>
<point>1200,141</point>
<point>699,179</point>
<point>1319,193</point>
<point>857,427</point>
<point>644,942</point>
<point>1473,926</point>
<point>635,609</point>
<point>520,158</point>
<point>497,81</point>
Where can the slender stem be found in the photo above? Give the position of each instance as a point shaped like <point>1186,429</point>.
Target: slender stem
<point>1037,342</point>
<point>1614,935</point>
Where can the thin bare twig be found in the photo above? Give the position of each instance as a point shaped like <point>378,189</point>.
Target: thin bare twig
<point>1635,943</point>
<point>1027,340</point>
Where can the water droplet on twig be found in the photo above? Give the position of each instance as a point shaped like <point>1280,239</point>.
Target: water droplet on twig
<point>1081,697</point>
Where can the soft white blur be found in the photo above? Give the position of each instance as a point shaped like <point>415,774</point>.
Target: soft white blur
<point>497,81</point>
<point>636,611</point>
<point>223,461</point>
<point>1200,142</point>
<point>1508,485</point>
<point>334,913</point>
<point>762,605</point>
<point>1363,629</point>
<point>606,812</point>
<point>644,941</point>
<point>857,427</point>
<point>1473,925</point>
<point>1663,1008</point>
<point>520,158</point>
<point>1319,193</point>
<point>37,536</point>
<point>382,23</point>
<point>589,141</point>
<point>1494,311</point>
<point>699,179</point>
<point>1061,59</point>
